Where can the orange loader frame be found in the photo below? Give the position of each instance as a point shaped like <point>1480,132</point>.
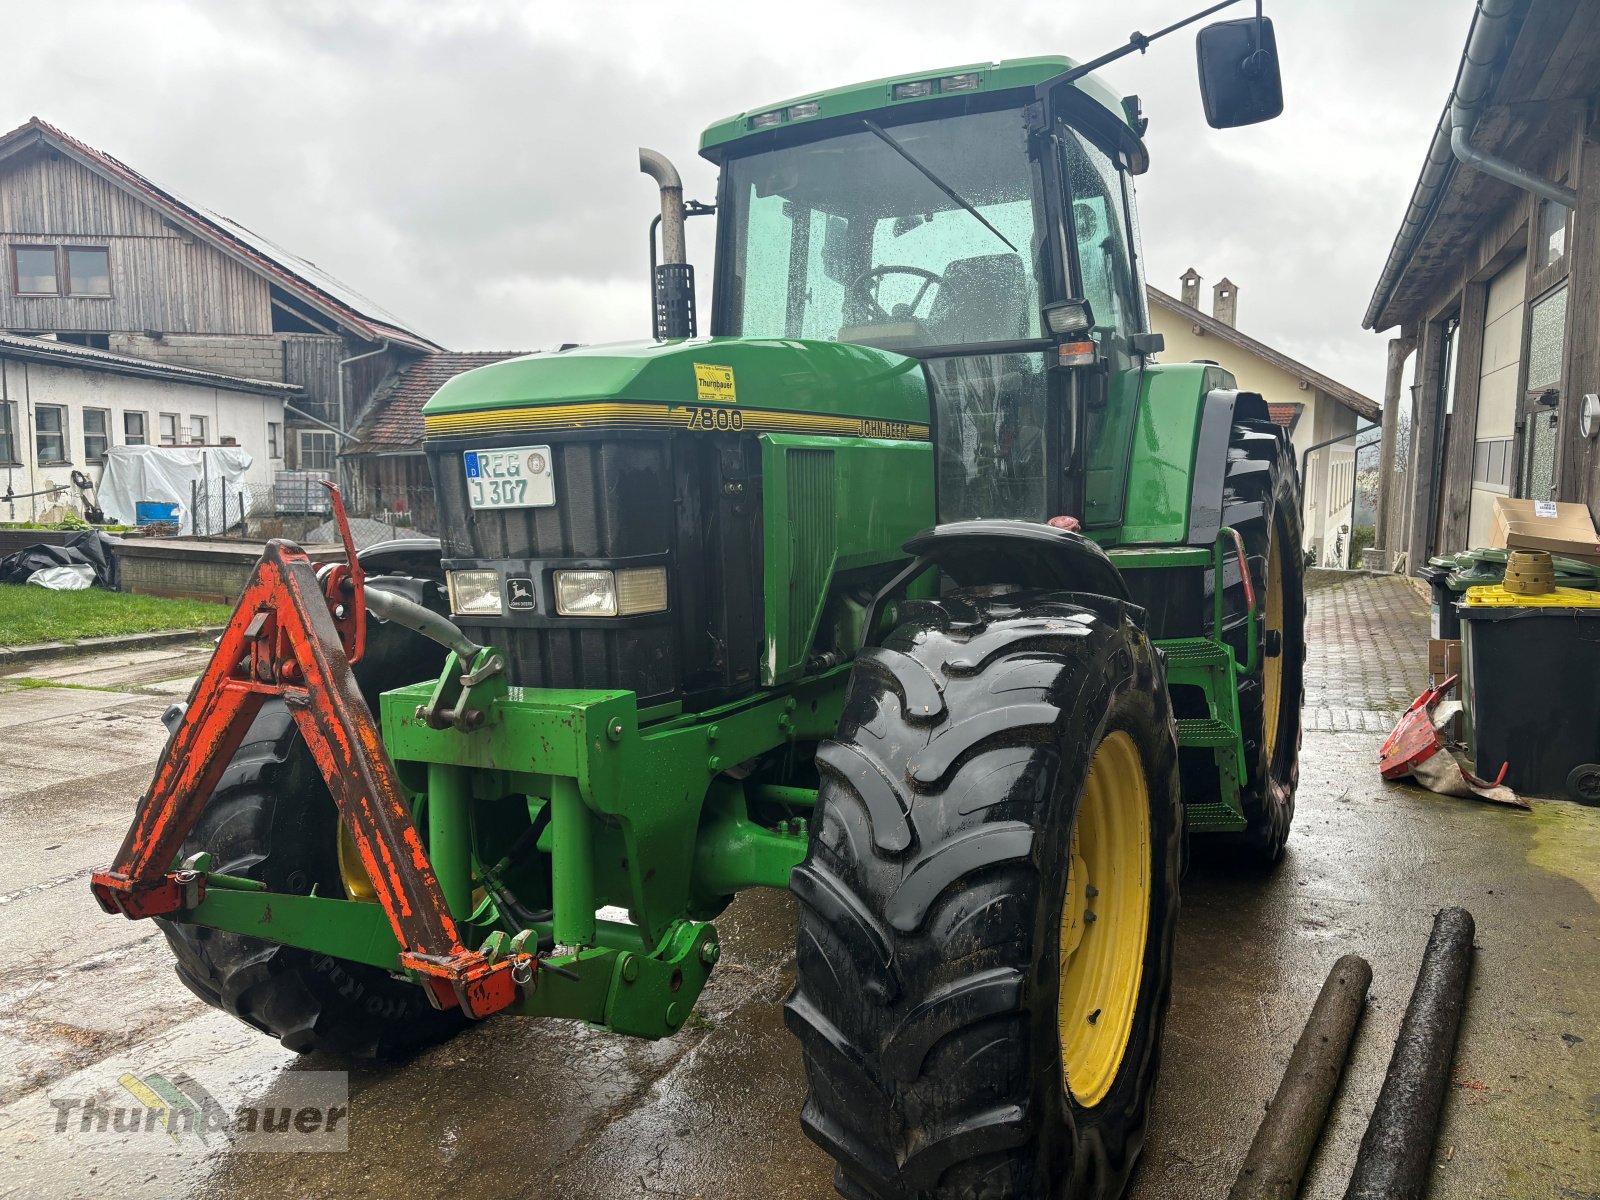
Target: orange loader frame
<point>295,637</point>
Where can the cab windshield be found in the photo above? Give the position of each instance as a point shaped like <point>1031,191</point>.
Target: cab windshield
<point>849,239</point>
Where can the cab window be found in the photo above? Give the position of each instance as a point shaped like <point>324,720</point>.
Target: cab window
<point>1096,189</point>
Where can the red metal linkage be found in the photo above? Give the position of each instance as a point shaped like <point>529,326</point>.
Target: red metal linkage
<point>1244,571</point>
<point>285,640</point>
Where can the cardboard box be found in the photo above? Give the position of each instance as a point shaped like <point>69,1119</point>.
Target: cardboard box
<point>1545,525</point>
<point>1444,658</point>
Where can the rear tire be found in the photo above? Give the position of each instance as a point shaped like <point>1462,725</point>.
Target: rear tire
<point>933,959</point>
<point>272,818</point>
<point>1261,501</point>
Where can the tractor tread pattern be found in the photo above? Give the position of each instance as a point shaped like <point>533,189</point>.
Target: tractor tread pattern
<point>1262,491</point>
<point>922,968</point>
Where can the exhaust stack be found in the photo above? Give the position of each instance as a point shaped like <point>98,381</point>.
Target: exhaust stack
<point>673,285</point>
<point>656,165</point>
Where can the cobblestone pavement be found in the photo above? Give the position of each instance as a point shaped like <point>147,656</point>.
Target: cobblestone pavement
<point>1366,654</point>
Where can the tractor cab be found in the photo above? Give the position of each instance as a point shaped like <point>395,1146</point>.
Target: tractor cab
<point>978,219</point>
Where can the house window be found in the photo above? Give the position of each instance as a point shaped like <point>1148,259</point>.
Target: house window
<point>197,431</point>
<point>96,433</point>
<point>169,429</point>
<point>88,271</point>
<point>61,271</point>
<point>133,433</point>
<point>33,270</point>
<point>273,435</point>
<point>50,430</point>
<point>318,450</point>
<point>1552,245</point>
<point>8,433</point>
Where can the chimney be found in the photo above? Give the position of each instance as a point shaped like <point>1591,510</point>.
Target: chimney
<point>1225,302</point>
<point>1190,294</point>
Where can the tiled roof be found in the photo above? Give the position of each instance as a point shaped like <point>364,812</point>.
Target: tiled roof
<point>1362,406</point>
<point>1285,414</point>
<point>393,421</point>
<point>295,275</point>
<point>66,354</point>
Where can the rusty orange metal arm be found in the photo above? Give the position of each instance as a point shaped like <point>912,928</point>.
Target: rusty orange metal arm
<point>284,639</point>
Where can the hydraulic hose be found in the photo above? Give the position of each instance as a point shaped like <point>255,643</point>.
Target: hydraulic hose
<point>388,606</point>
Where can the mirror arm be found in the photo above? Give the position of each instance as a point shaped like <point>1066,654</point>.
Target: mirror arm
<point>1140,42</point>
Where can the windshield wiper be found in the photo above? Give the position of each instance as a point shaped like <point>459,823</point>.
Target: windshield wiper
<point>936,181</point>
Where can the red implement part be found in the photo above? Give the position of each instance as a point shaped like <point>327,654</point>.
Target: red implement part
<point>1414,739</point>
<point>285,640</point>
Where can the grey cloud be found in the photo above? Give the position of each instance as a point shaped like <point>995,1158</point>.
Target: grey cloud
<point>471,165</point>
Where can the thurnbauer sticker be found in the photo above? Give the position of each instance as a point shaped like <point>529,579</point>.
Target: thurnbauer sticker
<point>714,383</point>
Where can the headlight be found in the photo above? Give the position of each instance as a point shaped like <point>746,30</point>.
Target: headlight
<point>626,593</point>
<point>586,593</point>
<point>474,593</point>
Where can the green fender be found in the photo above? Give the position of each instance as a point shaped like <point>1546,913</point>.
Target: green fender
<point>1178,458</point>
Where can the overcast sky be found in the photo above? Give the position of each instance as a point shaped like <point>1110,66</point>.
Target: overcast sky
<point>470,164</point>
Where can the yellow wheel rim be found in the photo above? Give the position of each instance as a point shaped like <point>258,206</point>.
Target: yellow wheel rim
<point>1105,920</point>
<point>1272,666</point>
<point>352,874</point>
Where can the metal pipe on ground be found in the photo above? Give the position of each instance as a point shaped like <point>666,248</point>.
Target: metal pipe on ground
<point>1288,1133</point>
<point>1397,1152</point>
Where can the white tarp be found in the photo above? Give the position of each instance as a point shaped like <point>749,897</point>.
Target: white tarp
<point>63,579</point>
<point>181,475</point>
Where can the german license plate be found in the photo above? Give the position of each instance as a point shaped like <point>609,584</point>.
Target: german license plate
<point>519,478</point>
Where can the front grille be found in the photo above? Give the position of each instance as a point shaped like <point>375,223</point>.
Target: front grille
<point>635,499</point>
<point>811,547</point>
<point>614,502</point>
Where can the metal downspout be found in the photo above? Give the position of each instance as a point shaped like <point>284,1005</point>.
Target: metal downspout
<point>1485,45</point>
<point>344,471</point>
<point>344,421</point>
<point>1451,144</point>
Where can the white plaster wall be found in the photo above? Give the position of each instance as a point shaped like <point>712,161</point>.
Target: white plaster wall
<point>243,416</point>
<point>1497,388</point>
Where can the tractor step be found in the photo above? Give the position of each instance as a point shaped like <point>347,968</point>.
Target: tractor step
<point>1206,669</point>
<point>1206,732</point>
<point>1196,654</point>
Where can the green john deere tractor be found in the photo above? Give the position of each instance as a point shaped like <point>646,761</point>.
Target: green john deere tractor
<point>918,588</point>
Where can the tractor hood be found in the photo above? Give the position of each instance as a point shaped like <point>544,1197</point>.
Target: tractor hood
<point>759,384</point>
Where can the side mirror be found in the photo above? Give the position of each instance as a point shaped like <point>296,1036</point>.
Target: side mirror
<point>1239,79</point>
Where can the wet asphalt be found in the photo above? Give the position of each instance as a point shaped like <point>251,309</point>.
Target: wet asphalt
<point>525,1108</point>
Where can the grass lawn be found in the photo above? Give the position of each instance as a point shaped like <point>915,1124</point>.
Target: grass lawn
<point>36,614</point>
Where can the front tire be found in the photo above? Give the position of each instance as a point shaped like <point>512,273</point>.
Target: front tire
<point>999,808</point>
<point>272,818</point>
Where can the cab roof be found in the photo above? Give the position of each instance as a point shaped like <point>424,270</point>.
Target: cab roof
<point>878,94</point>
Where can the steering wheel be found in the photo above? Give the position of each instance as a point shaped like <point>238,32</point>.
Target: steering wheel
<point>864,287</point>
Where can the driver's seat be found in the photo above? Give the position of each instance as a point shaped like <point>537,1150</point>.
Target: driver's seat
<point>981,299</point>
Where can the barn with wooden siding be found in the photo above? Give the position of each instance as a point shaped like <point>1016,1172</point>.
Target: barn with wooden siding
<point>94,253</point>
<point>1493,286</point>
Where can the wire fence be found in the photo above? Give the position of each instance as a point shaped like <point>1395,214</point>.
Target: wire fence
<point>297,507</point>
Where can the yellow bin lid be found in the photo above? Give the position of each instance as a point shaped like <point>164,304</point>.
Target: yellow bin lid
<point>1496,596</point>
